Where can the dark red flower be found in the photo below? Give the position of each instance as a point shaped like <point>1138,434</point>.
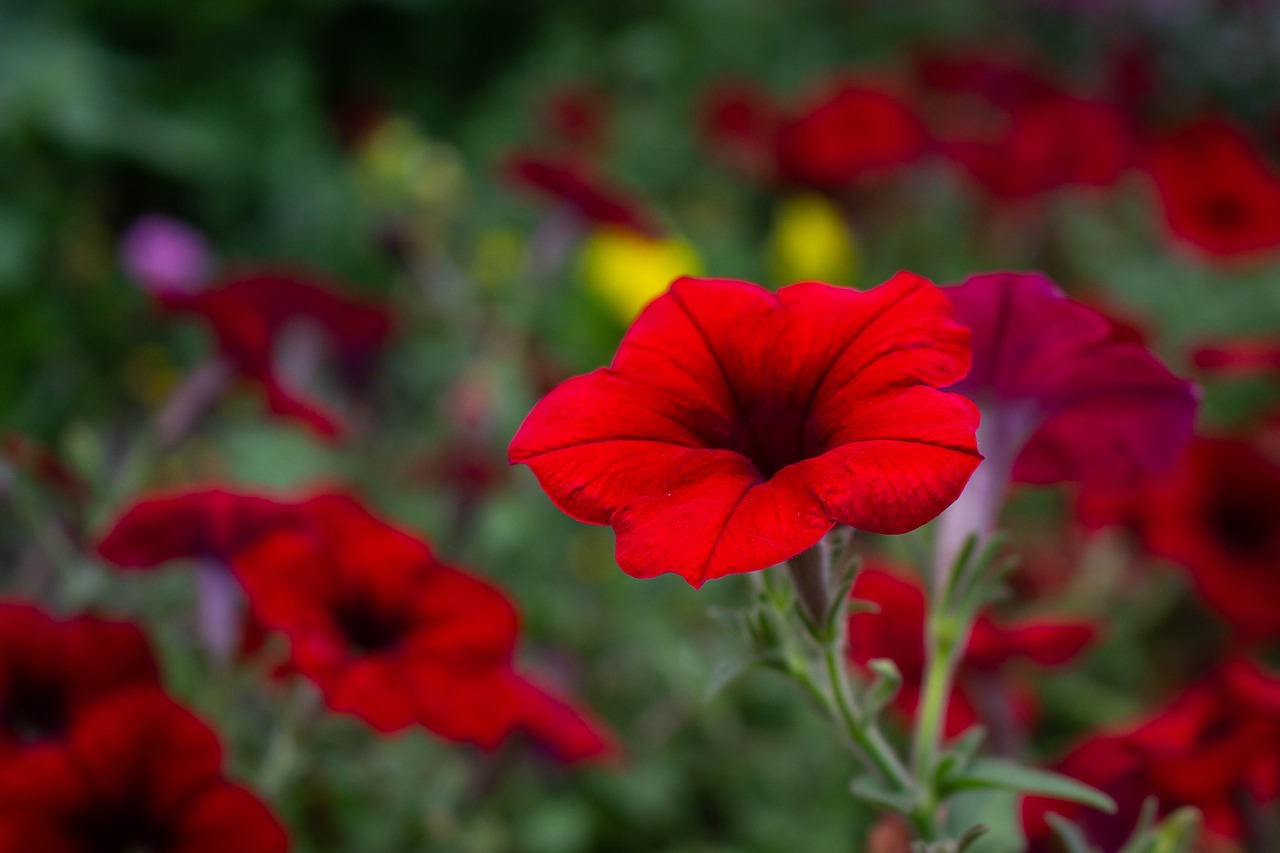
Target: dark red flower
<point>52,671</point>
<point>214,523</point>
<point>395,637</point>
<point>1218,192</point>
<point>850,133</point>
<point>1218,515</point>
<point>1240,358</point>
<point>1003,81</point>
<point>1065,395</point>
<point>1219,740</point>
<point>1049,143</point>
<point>740,123</point>
<point>736,426</point>
<point>136,772</point>
<point>253,312</point>
<point>208,527</point>
<point>896,632</point>
<point>571,184</point>
<point>576,117</point>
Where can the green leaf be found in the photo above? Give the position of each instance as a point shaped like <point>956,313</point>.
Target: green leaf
<point>1073,840</point>
<point>885,684</point>
<point>1178,832</point>
<point>871,790</point>
<point>728,670</point>
<point>961,753</point>
<point>995,773</point>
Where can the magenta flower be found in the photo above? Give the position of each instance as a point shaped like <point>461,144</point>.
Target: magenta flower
<point>165,255</point>
<point>1065,396</point>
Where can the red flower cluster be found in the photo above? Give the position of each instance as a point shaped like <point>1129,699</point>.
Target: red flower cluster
<point>848,132</point>
<point>134,772</point>
<point>385,630</point>
<point>397,638</point>
<point>896,632</point>
<point>93,756</point>
<point>1218,742</point>
<point>1218,192</point>
<point>736,426</point>
<point>1217,513</point>
<point>252,313</point>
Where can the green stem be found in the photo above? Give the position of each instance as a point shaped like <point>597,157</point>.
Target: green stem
<point>866,735</point>
<point>945,634</point>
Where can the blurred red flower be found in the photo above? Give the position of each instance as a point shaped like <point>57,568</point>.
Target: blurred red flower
<point>52,671</point>
<point>1218,192</point>
<point>253,313</point>
<point>846,133</point>
<point>571,183</point>
<point>851,132</point>
<point>136,772</point>
<point>214,523</point>
<point>395,637</point>
<point>1049,143</point>
<point>1218,515</point>
<point>735,426</point>
<point>1217,742</point>
<point>896,632</point>
<point>1066,394</point>
<point>1007,82</point>
<point>1240,357</point>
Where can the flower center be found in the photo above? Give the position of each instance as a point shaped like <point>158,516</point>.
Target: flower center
<point>1226,212</point>
<point>1243,529</point>
<point>367,630</point>
<point>33,711</point>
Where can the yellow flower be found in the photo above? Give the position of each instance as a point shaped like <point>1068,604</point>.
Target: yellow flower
<point>811,241</point>
<point>627,270</point>
<point>398,164</point>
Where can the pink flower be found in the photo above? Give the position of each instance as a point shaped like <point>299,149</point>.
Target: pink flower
<point>165,255</point>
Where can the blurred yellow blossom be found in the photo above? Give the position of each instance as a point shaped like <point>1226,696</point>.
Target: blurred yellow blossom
<point>811,241</point>
<point>627,270</point>
<point>498,257</point>
<point>398,164</point>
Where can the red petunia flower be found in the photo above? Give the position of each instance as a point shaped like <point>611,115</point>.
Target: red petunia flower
<point>1065,397</point>
<point>851,133</point>
<point>897,633</point>
<point>254,312</point>
<point>1218,515</point>
<point>736,426</point>
<point>570,184</point>
<point>208,527</point>
<point>1049,143</point>
<point>1216,742</point>
<point>53,671</point>
<point>395,637</point>
<point>215,523</point>
<point>136,772</point>
<point>1218,192</point>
